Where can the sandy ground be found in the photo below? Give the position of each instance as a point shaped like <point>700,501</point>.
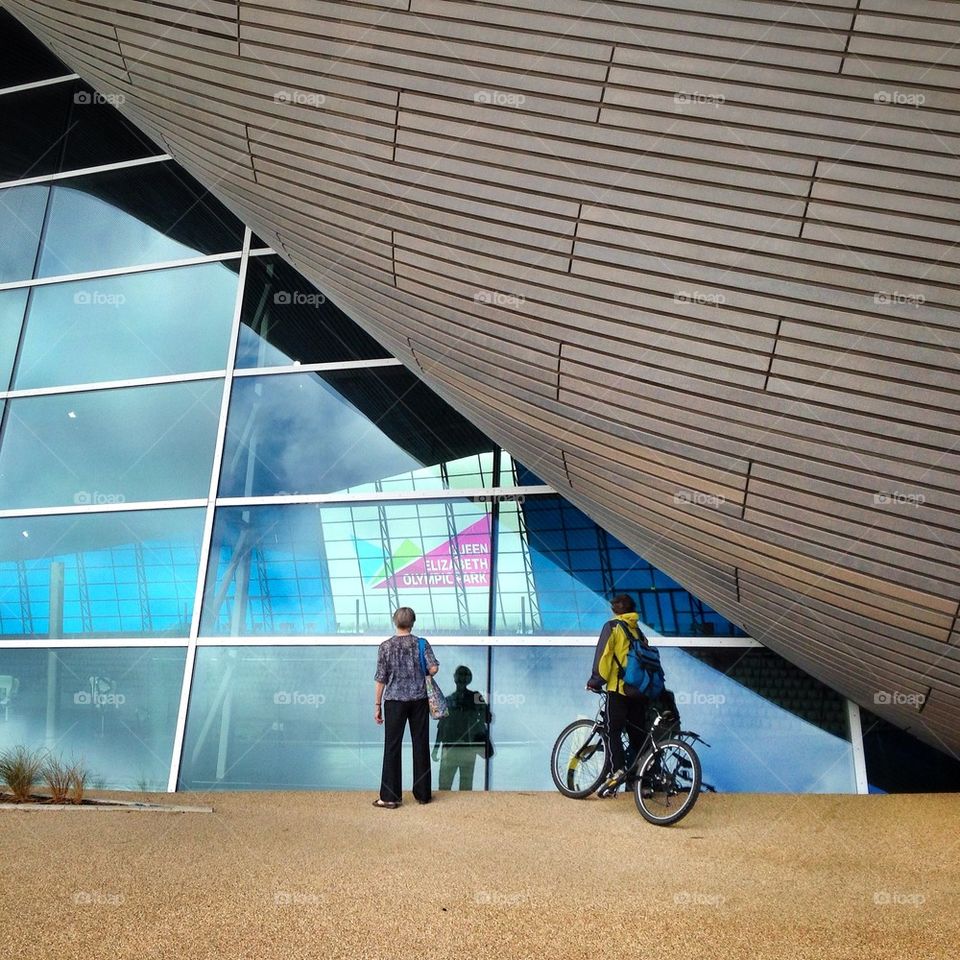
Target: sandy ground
<point>296,875</point>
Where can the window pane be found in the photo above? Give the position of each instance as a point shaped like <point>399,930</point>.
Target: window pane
<point>138,215</point>
<point>514,474</point>
<point>458,748</point>
<point>62,127</point>
<point>281,718</point>
<point>113,710</point>
<point>287,320</point>
<point>557,571</point>
<point>137,325</point>
<point>21,220</point>
<point>99,133</point>
<point>130,574</point>
<point>34,124</point>
<point>13,303</point>
<point>23,58</point>
<point>346,430</point>
<point>110,446</point>
<point>756,745</point>
<point>313,570</point>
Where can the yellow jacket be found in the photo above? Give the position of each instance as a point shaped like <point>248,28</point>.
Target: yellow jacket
<point>613,645</point>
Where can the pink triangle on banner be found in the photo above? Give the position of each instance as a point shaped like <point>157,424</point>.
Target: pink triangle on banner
<point>438,568</point>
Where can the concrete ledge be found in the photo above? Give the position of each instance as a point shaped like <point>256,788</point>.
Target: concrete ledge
<point>101,805</point>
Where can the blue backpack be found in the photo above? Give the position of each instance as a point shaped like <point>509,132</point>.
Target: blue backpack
<point>643,674</point>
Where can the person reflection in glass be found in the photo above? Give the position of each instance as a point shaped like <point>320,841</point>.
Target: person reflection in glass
<point>462,735</point>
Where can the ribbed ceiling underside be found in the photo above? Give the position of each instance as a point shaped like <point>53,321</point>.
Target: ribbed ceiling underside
<point>716,238</point>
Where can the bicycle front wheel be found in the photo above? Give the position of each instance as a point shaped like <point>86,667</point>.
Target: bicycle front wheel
<point>668,783</point>
<point>579,761</point>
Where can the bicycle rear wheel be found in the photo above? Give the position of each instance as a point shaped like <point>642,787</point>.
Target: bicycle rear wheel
<point>668,783</point>
<point>579,761</point>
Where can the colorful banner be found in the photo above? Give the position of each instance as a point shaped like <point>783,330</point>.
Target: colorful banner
<point>460,561</point>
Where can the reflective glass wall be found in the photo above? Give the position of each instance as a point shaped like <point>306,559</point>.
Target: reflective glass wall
<point>215,488</point>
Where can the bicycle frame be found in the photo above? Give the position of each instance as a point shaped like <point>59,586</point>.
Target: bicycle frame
<point>650,745</point>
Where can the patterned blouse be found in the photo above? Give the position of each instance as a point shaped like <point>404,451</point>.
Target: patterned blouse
<point>398,667</point>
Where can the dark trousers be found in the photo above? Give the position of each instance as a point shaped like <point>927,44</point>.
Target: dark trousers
<point>630,714</point>
<point>396,714</point>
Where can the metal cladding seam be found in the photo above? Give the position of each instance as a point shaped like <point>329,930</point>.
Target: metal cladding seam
<point>718,238</point>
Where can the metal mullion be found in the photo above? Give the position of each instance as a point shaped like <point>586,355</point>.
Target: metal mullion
<point>102,643</point>
<point>856,744</point>
<point>122,271</point>
<point>318,367</point>
<point>207,537</point>
<point>470,640</point>
<point>111,384</point>
<point>431,496</point>
<point>83,171</point>
<point>35,84</point>
<point>94,508</point>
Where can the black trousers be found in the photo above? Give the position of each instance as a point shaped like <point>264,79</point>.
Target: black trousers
<point>630,714</point>
<point>396,715</point>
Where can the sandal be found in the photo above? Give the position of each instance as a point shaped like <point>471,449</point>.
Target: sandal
<point>386,804</point>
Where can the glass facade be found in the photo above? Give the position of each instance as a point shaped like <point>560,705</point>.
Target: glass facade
<point>215,488</point>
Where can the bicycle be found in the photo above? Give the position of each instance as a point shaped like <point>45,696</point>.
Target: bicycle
<point>666,771</point>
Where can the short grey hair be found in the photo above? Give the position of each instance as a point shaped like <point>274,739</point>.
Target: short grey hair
<point>404,618</point>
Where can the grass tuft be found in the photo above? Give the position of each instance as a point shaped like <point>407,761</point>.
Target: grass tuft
<point>20,769</point>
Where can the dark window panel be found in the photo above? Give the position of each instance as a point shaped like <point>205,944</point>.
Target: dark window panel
<point>99,133</point>
<point>287,320</point>
<point>34,124</point>
<point>899,763</point>
<point>23,58</point>
<point>63,127</point>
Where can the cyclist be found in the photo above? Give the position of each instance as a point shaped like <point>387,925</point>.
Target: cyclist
<point>623,713</point>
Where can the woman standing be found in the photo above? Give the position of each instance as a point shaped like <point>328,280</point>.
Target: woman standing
<point>400,696</point>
